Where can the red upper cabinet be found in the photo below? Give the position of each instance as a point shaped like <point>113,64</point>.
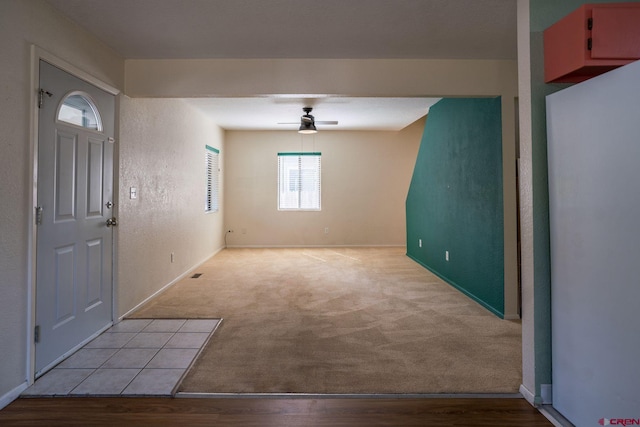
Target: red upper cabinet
<point>592,40</point>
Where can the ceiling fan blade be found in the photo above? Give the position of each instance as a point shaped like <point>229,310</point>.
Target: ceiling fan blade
<point>308,120</point>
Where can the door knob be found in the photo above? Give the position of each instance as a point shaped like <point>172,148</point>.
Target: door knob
<point>112,222</point>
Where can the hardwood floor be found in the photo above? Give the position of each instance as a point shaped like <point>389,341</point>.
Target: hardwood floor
<point>246,412</point>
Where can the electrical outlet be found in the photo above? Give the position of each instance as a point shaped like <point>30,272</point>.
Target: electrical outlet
<point>326,230</point>
<point>419,243</point>
<point>446,255</point>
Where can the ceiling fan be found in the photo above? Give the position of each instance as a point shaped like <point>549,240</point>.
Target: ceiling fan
<point>308,122</point>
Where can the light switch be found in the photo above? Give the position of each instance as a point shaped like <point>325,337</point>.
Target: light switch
<point>133,193</point>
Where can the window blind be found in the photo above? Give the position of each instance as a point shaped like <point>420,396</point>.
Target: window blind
<point>213,178</point>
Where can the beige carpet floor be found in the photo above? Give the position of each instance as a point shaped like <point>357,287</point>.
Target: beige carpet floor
<point>339,320</point>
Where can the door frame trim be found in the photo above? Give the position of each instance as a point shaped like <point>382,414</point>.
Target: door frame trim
<point>38,54</point>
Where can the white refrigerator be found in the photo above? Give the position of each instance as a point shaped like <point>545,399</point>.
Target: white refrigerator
<point>593,131</point>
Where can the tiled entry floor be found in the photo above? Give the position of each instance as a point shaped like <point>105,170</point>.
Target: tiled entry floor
<point>135,357</point>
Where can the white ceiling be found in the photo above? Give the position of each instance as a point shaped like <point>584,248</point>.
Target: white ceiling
<point>265,113</point>
<point>156,29</point>
<point>330,29</point>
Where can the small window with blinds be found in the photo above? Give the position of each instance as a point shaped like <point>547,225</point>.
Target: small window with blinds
<point>212,203</point>
<point>299,181</point>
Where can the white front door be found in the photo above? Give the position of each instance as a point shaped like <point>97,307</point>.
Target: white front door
<point>74,284</point>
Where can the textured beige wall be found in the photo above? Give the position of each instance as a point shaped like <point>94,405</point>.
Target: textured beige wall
<point>365,178</point>
<point>162,152</point>
<point>22,23</point>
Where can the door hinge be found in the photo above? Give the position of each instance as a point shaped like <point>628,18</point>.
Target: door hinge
<point>41,94</point>
<point>589,43</point>
<point>38,215</point>
<point>36,334</point>
<point>590,24</point>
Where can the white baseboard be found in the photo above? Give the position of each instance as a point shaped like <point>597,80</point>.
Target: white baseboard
<point>168,285</point>
<point>528,395</point>
<point>546,393</point>
<point>12,395</point>
<point>546,396</point>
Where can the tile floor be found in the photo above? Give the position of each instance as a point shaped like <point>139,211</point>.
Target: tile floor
<point>135,357</point>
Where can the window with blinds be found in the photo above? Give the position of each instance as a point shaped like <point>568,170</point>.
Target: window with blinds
<point>213,177</point>
<point>299,181</point>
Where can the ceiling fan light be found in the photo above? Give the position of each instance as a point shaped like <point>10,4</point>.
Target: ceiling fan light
<point>307,128</point>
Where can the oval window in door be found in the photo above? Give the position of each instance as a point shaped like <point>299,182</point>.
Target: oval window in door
<point>78,109</point>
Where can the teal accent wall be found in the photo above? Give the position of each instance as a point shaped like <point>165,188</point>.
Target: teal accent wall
<point>455,199</point>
